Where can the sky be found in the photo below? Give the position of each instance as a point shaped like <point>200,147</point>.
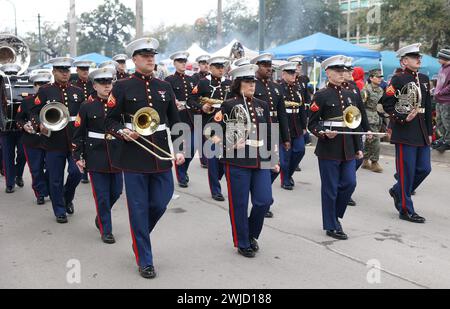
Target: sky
<point>156,12</point>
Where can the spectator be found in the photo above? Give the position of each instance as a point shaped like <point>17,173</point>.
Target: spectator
<point>358,77</point>
<point>442,97</point>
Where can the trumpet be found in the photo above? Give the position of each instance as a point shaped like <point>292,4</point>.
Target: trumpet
<point>352,119</point>
<point>291,104</point>
<point>210,102</point>
<point>146,122</point>
<point>54,117</point>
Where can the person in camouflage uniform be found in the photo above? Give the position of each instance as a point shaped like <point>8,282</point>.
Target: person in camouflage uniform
<point>371,94</point>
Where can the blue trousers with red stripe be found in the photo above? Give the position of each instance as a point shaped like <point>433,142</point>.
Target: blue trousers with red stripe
<point>182,171</point>
<point>61,193</point>
<point>338,184</point>
<point>290,159</point>
<point>216,171</point>
<point>13,157</point>
<point>241,183</point>
<point>413,167</point>
<point>148,196</point>
<point>36,163</point>
<point>107,189</point>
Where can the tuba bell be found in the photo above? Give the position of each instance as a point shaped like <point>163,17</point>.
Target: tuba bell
<point>352,117</point>
<point>14,50</point>
<point>54,117</point>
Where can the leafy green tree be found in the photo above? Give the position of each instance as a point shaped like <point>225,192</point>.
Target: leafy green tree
<point>107,29</point>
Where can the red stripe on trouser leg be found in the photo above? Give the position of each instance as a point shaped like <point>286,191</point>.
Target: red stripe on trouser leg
<point>232,216</point>
<point>133,237</point>
<point>177,172</point>
<point>31,173</point>
<point>402,179</point>
<point>96,204</point>
<point>281,177</point>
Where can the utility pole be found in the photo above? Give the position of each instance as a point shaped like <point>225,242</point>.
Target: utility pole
<point>219,23</point>
<point>73,29</point>
<point>40,39</point>
<point>139,19</point>
<point>262,26</point>
<point>349,12</point>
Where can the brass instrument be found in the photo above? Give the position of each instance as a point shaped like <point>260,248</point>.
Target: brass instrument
<point>210,102</point>
<point>14,50</point>
<point>54,117</point>
<point>238,125</point>
<point>409,98</point>
<point>291,104</point>
<point>146,122</point>
<point>352,119</point>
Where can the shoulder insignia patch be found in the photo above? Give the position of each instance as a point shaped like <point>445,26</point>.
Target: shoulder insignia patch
<point>315,108</point>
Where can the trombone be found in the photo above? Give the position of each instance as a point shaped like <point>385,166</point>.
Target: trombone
<point>352,119</point>
<point>146,122</point>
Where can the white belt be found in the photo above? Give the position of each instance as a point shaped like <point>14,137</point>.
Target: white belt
<point>72,119</point>
<point>162,127</point>
<point>253,143</point>
<point>273,114</point>
<point>292,111</point>
<point>97,135</point>
<point>335,124</point>
<point>421,110</point>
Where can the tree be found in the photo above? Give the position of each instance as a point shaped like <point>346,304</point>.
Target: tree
<point>55,42</point>
<point>107,29</point>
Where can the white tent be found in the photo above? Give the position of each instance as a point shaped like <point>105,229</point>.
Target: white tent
<point>225,52</point>
<point>195,51</point>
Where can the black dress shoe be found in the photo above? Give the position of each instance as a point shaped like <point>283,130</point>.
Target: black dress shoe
<point>97,225</point>
<point>437,143</point>
<point>40,200</point>
<point>415,218</point>
<point>292,182</point>
<point>9,190</point>
<point>254,245</point>
<point>187,178</point>
<point>19,182</point>
<point>147,272</point>
<point>268,215</point>
<point>396,199</point>
<point>183,185</point>
<point>70,208</point>
<point>109,239</point>
<point>62,219</point>
<point>248,253</point>
<point>352,203</point>
<point>298,169</point>
<point>218,197</point>
<point>205,166</point>
<point>339,235</point>
<point>287,187</point>
<point>85,181</point>
<point>443,147</point>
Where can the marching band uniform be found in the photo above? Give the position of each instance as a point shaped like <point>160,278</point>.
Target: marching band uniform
<point>182,86</point>
<point>148,180</point>
<point>270,92</point>
<point>246,174</point>
<point>32,143</point>
<point>59,145</point>
<point>201,74</point>
<point>411,139</point>
<point>87,87</point>
<point>337,156</point>
<point>219,89</point>
<point>290,159</point>
<point>90,145</point>
<point>121,59</point>
<point>12,149</point>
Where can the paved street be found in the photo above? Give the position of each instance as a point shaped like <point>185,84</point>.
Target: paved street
<point>193,244</point>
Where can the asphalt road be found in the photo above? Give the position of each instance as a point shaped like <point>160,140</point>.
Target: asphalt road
<point>193,245</point>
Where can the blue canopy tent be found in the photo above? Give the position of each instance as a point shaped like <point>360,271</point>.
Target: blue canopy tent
<point>320,46</point>
<point>430,65</point>
<point>97,58</point>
